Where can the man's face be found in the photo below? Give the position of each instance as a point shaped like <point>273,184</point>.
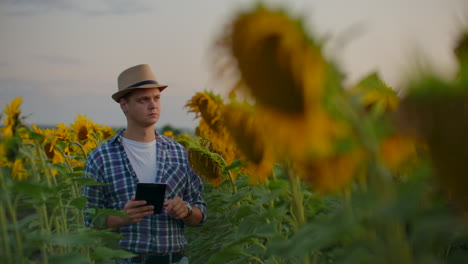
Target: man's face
<point>142,107</point>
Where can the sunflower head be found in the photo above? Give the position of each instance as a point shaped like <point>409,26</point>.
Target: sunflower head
<point>279,65</point>
<point>84,132</point>
<point>208,106</point>
<point>211,128</point>
<point>332,173</point>
<point>207,164</point>
<point>11,121</point>
<point>374,95</point>
<point>19,171</point>
<point>168,133</point>
<point>398,152</point>
<point>81,128</point>
<point>249,139</point>
<point>105,132</point>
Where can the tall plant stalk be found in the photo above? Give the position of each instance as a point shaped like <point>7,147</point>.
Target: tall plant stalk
<point>4,221</point>
<point>379,178</point>
<point>297,200</point>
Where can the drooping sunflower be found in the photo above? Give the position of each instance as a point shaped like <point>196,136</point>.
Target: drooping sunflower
<point>243,129</point>
<point>208,107</point>
<point>283,69</point>
<point>207,164</point>
<point>279,64</point>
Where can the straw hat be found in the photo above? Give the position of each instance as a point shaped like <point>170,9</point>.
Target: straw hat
<point>136,77</point>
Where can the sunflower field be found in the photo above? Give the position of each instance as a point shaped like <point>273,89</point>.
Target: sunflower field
<point>298,167</point>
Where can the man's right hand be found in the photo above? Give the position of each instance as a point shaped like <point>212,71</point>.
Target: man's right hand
<point>136,211</point>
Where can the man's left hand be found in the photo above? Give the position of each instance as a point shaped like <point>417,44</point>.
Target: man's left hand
<point>176,208</point>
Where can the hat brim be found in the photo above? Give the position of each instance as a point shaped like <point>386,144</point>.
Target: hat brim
<point>121,93</point>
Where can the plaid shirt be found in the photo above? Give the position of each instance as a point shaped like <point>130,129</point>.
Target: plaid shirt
<point>158,233</point>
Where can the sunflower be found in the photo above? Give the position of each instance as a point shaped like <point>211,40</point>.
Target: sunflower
<point>105,132</point>
<point>207,164</point>
<point>82,128</point>
<point>19,171</point>
<point>208,107</point>
<point>63,134</point>
<point>244,131</point>
<point>275,57</point>
<point>285,73</point>
<point>398,151</point>
<point>332,173</point>
<point>50,144</point>
<point>168,133</point>
<point>375,95</point>
<point>11,120</point>
<point>84,131</point>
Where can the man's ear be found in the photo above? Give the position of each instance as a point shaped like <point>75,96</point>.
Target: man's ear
<point>123,105</point>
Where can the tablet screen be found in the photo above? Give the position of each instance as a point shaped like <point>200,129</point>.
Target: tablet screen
<point>153,194</point>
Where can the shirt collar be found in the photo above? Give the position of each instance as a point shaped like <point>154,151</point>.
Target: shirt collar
<point>117,137</point>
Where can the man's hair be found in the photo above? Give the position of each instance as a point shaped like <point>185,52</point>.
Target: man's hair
<point>127,95</point>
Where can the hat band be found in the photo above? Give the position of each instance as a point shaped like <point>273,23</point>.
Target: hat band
<point>143,83</point>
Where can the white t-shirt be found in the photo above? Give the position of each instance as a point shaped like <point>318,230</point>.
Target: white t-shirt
<point>142,156</point>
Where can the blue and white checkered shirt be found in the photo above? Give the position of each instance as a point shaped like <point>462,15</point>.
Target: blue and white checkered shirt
<point>158,233</point>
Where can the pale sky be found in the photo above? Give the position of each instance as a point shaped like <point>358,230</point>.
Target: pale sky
<point>63,56</point>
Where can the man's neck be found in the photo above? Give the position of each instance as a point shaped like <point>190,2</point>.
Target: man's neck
<point>140,134</point>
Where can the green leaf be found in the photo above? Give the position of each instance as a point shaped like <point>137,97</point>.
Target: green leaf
<point>34,190</point>
<point>89,182</point>
<point>101,253</point>
<point>79,202</point>
<point>70,258</point>
<point>226,254</point>
<point>77,239</point>
<point>36,136</point>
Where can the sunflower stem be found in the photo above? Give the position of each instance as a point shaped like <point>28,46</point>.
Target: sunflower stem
<point>297,203</point>
<point>231,180</point>
<point>379,178</point>
<point>4,222</point>
<point>81,148</point>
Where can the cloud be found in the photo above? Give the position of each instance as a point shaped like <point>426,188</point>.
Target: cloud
<point>84,7</point>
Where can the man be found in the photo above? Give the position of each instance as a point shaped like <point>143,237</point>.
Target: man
<point>139,154</point>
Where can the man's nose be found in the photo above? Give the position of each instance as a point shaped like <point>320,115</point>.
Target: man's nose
<point>153,104</point>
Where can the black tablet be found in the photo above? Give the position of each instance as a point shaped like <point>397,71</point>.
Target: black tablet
<point>152,193</point>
